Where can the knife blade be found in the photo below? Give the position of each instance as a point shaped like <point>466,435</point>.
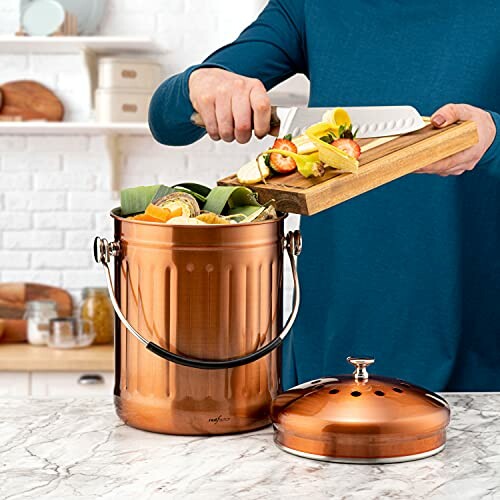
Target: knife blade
<point>369,121</point>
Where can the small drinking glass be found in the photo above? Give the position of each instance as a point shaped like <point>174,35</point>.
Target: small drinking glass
<point>70,333</point>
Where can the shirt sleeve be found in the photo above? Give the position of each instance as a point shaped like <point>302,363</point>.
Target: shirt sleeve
<point>492,154</point>
<point>271,49</point>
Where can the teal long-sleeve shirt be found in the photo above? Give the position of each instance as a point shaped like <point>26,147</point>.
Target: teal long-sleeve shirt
<point>410,272</point>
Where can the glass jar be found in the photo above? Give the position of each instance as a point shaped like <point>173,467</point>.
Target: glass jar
<point>38,315</point>
<point>98,310</point>
<point>69,333</point>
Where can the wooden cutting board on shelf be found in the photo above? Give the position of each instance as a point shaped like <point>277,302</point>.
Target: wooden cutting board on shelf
<point>382,160</point>
<point>29,100</point>
<point>13,299</point>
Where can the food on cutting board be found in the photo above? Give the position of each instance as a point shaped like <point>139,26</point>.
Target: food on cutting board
<point>194,204</point>
<point>323,135</point>
<point>278,162</point>
<point>349,146</point>
<point>254,171</point>
<point>328,144</point>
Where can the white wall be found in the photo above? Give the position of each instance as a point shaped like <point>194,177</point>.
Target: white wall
<point>54,195</point>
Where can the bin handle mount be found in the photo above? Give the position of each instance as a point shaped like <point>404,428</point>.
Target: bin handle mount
<point>104,250</point>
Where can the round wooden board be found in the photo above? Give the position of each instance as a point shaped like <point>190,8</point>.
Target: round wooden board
<point>31,101</point>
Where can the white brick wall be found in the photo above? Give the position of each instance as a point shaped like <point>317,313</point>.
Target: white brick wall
<point>54,195</point>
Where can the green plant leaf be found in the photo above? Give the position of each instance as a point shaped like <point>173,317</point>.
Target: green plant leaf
<point>242,196</point>
<point>231,196</point>
<point>246,213</point>
<point>245,210</point>
<point>193,187</point>
<point>135,200</point>
<point>196,191</point>
<point>162,191</point>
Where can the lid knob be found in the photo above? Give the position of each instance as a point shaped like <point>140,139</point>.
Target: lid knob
<point>361,362</point>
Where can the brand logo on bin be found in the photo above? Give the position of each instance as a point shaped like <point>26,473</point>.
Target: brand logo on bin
<point>220,418</point>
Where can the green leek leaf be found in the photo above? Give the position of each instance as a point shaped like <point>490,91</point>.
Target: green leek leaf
<point>135,200</point>
<point>199,191</point>
<point>162,191</point>
<point>242,196</point>
<point>232,196</point>
<point>244,210</point>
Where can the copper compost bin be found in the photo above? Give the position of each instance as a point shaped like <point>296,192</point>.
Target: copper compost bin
<point>198,320</point>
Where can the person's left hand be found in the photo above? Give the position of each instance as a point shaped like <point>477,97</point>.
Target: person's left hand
<point>468,159</point>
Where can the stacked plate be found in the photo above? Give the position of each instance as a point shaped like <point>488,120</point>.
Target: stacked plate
<point>46,17</point>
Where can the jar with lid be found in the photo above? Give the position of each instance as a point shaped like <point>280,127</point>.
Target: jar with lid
<point>98,310</point>
<point>38,315</point>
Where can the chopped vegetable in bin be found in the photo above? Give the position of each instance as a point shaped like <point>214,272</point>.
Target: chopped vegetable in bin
<point>185,202</point>
<point>194,204</point>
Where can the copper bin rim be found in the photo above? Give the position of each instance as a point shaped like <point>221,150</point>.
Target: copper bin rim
<point>115,214</point>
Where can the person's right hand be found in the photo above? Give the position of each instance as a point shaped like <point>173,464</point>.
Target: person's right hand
<point>230,104</point>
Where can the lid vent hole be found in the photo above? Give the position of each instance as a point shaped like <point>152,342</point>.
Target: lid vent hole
<point>334,391</point>
<point>316,381</point>
<point>405,384</point>
<point>397,389</point>
<point>379,393</point>
<point>356,394</point>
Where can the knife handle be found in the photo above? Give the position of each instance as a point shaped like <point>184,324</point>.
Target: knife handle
<point>274,123</point>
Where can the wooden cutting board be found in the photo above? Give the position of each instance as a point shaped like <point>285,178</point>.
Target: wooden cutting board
<point>30,100</point>
<point>382,160</point>
<point>13,299</point>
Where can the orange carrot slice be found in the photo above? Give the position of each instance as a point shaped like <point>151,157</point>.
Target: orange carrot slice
<point>163,214</point>
<point>175,213</point>
<point>146,218</point>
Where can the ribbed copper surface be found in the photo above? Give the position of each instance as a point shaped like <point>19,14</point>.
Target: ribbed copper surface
<point>210,292</point>
<point>339,417</point>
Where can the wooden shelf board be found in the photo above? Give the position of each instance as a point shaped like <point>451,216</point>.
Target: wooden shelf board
<point>29,358</point>
<point>68,44</point>
<point>73,128</point>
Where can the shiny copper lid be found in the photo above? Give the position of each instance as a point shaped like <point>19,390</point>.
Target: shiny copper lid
<point>360,418</point>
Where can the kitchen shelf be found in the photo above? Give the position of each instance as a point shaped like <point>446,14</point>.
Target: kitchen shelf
<point>29,358</point>
<point>111,131</point>
<point>72,128</point>
<point>90,49</point>
<point>68,44</point>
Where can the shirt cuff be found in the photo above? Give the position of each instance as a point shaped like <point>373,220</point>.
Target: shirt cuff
<point>187,74</point>
<point>493,151</point>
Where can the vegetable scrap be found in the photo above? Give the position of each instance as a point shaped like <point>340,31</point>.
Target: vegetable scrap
<point>194,204</point>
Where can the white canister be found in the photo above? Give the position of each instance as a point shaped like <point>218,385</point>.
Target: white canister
<point>115,105</point>
<point>38,316</point>
<point>128,73</point>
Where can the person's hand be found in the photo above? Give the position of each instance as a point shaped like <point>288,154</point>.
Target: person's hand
<point>468,159</point>
<point>230,104</point>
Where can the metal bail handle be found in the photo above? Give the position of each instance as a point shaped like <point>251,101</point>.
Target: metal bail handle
<point>103,250</point>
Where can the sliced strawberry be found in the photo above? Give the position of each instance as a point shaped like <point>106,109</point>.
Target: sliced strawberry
<point>285,145</point>
<point>349,146</point>
<point>280,163</point>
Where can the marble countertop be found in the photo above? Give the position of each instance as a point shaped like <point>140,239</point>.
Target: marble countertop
<point>64,449</point>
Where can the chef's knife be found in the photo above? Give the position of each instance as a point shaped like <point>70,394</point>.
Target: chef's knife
<point>370,121</point>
